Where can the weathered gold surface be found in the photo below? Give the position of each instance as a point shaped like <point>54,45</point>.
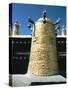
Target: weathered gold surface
<point>43,57</point>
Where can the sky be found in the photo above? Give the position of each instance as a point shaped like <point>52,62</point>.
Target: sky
<point>21,12</point>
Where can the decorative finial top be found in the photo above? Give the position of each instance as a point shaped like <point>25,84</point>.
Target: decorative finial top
<point>44,14</point>
<point>16,23</point>
<point>63,26</point>
<point>30,20</point>
<point>57,21</point>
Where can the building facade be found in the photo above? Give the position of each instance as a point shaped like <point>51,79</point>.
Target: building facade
<point>19,53</point>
